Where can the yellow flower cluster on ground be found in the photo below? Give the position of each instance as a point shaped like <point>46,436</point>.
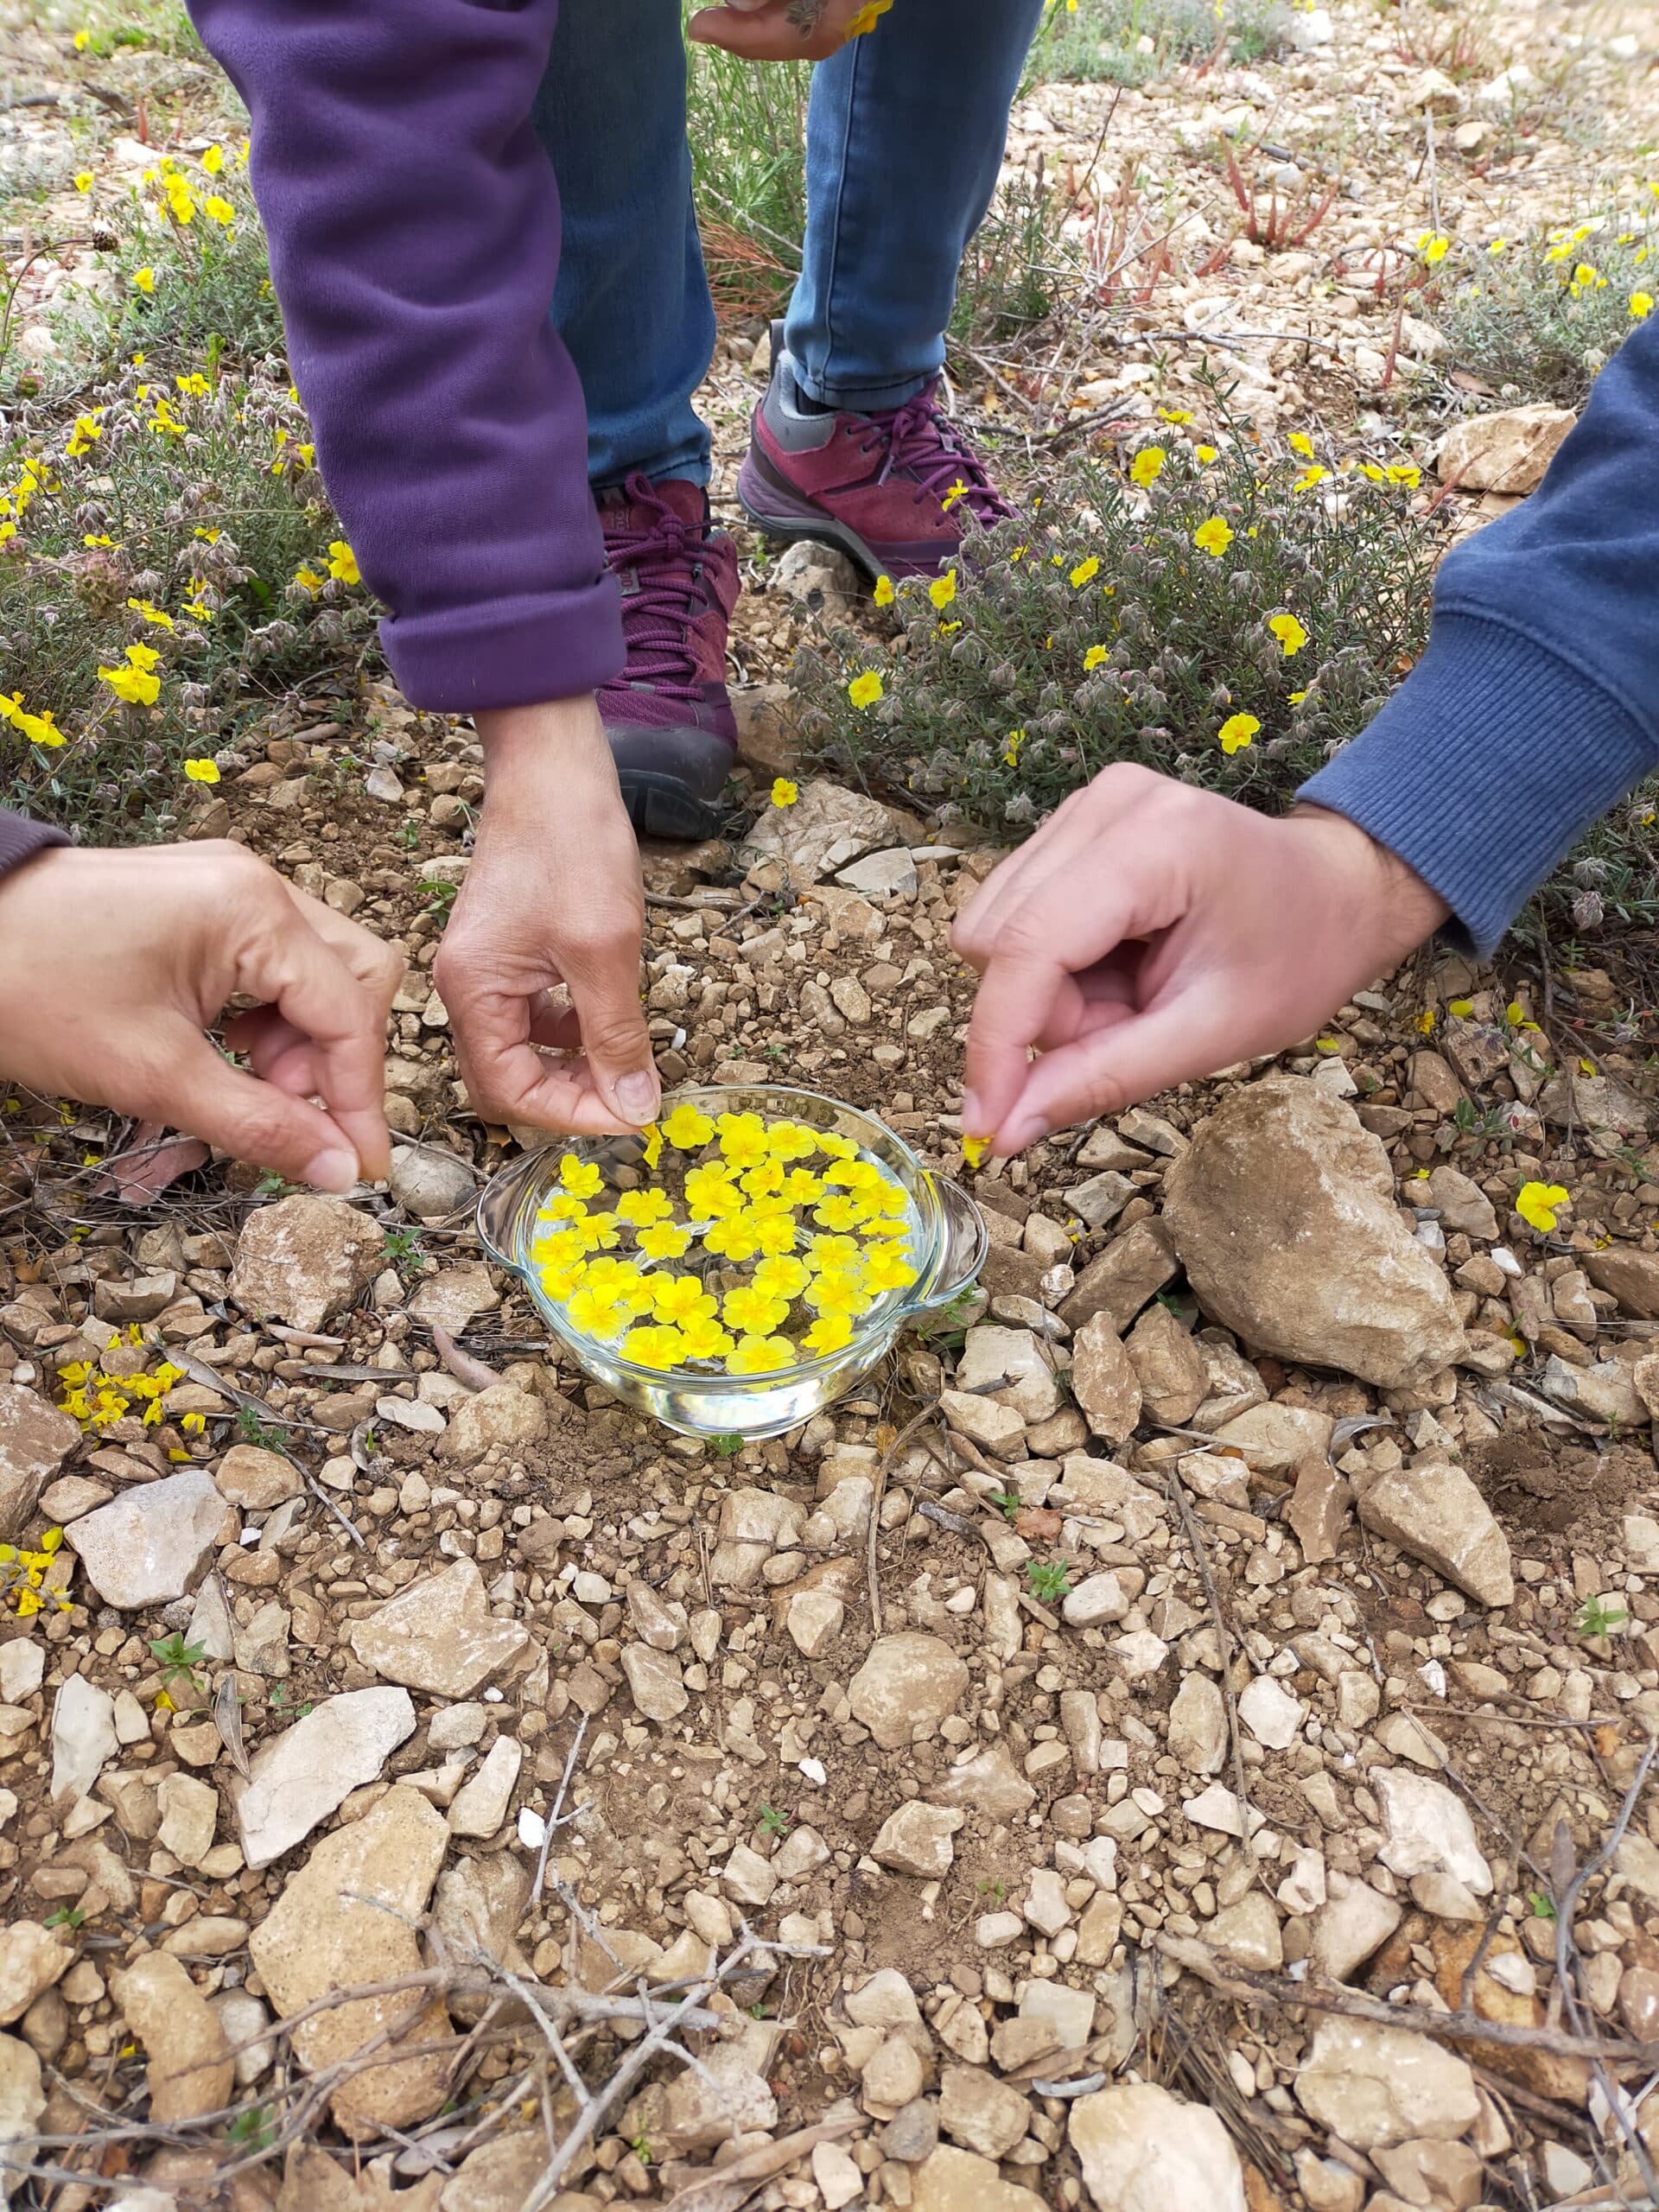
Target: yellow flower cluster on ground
<point>791,1234</point>
<point>98,1400</point>
<point>31,1579</point>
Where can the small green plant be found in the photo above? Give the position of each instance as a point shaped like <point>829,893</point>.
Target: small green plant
<point>748,130</point>
<point>1007,1502</point>
<point>771,1821</point>
<point>178,1659</point>
<point>994,1888</point>
<point>1047,1579</point>
<point>640,2146</point>
<point>1595,1616</point>
<point>253,1428</point>
<point>66,1915</point>
<point>271,1185</point>
<point>408,836</point>
<point>1540,1906</point>
<point>251,2130</point>
<point>404,1247</point>
<point>729,1446</point>
<point>439,897</point>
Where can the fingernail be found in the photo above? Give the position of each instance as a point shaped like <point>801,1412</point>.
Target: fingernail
<point>639,1096</point>
<point>973,1114</point>
<point>334,1169</point>
<point>1030,1130</point>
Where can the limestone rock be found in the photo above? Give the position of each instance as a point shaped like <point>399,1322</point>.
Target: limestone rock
<point>300,1776</point>
<point>1275,1438</point>
<point>1248,1933</point>
<point>1606,1391</point>
<point>1169,1366</point>
<point>1463,1207</point>
<point>1282,1213</point>
<point>655,1680</point>
<point>22,2101</point>
<point>1026,1382</point>
<point>439,1635</point>
<point>949,2180</point>
<point>36,1439</point>
<point>1508,452</point>
<point>981,2112</point>
<point>189,1810</point>
<point>481,1803</point>
<point>304,1259</point>
<point>1429,1830</point>
<point>1350,1928</point>
<point>916,1839</point>
<point>32,1961</point>
<point>827,827</point>
<point>500,2176</point>
<point>1631,1276</point>
<point>1118,1282</point>
<point>1273,1716</point>
<point>1434,1513</point>
<point>315,1938</point>
<point>1142,2149</point>
<point>151,1544</point>
<point>1374,2086</point>
<point>429,1182</point>
<point>503,1415</point>
<point>83,1736</point>
<point>256,1479</point>
<point>449,1300</point>
<point>723,2097</point>
<point>1198,1726</point>
<point>190,2070</point>
<point>908,1680</point>
<point>989,1783</point>
<point>1104,1381</point>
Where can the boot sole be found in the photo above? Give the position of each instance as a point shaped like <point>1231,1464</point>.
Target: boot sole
<point>659,807</point>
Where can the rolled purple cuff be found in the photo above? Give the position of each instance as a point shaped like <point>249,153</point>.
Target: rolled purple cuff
<point>20,839</point>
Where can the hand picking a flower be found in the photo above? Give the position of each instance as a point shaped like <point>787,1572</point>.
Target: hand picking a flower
<point>785,30</point>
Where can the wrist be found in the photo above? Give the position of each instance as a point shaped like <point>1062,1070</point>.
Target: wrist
<point>1398,909</point>
<point>552,738</point>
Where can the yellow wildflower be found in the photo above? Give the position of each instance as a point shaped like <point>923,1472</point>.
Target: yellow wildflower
<point>687,1129</point>
<point>1085,572</point>
<point>659,1346</point>
<point>1213,537</point>
<point>974,1150</point>
<point>1290,633</point>
<point>864,690</point>
<point>757,1355</point>
<point>1298,441</point>
<point>213,160</point>
<point>663,1241</point>
<point>783,791</point>
<point>1536,1203</point>
<point>1237,732</point>
<point>582,1178</point>
<point>1311,475</point>
<point>943,589</point>
<point>202,772</point>
<point>1433,247</point>
<point>342,562</point>
<point>1147,466</point>
<point>884,594</point>
<point>1205,453</point>
<point>158,615</point>
<point>702,1337</point>
<point>680,1298</point>
<point>1093,659</point>
<point>829,1332</point>
<point>1641,305</point>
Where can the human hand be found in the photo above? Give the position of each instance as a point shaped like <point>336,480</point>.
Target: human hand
<point>114,964</point>
<point>784,30</point>
<point>1151,933</point>
<point>553,897</point>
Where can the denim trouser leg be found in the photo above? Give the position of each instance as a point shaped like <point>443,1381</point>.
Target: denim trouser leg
<point>631,302</point>
<point>904,144</point>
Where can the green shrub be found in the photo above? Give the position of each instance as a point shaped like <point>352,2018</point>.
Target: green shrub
<point>1538,319</point>
<point>1131,41</point>
<point>1105,631</point>
<point>748,128</point>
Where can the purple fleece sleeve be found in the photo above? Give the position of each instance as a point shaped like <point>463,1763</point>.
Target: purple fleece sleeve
<point>414,228</point>
<point>20,839</point>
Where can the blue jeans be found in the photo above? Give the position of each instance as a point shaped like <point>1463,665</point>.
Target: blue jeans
<point>905,139</point>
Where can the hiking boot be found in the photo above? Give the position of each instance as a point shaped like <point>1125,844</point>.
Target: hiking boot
<point>668,716</point>
<point>892,489</point>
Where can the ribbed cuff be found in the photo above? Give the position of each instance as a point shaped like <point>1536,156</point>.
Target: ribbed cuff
<point>508,653</point>
<point>1484,768</point>
<point>21,839</point>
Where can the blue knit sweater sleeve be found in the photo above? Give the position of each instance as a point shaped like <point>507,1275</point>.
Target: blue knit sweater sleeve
<point>1537,704</point>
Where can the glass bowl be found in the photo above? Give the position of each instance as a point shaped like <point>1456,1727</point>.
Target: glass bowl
<point>948,1250</point>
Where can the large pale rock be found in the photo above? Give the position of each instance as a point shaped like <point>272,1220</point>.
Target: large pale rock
<point>1462,1204</point>
<point>1434,1513</point>
<point>1198,1725</point>
<point>31,1961</point>
<point>1374,2086</point>
<point>981,2112</point>
<point>916,1839</point>
<point>431,1184</point>
<point>1008,1366</point>
<point>1169,1366</point>
<point>83,1736</point>
<point>256,1479</point>
<point>909,1680</point>
<point>449,1300</point>
<point>949,2180</point>
<point>36,1439</point>
<point>503,1415</point>
<point>1142,2149</point>
<point>1429,1830</point>
<point>1508,452</point>
<point>190,2070</point>
<point>657,1682</point>
<point>1282,1213</point>
<point>1631,1276</point>
<point>317,1938</point>
<point>1119,1281</point>
<point>300,1776</point>
<point>481,1803</point>
<point>498,2177</point>
<point>439,1635</point>
<point>1350,1929</point>
<point>1104,1381</point>
<point>724,2096</point>
<point>989,1783</point>
<point>1606,1391</point>
<point>1596,1103</point>
<point>22,2101</point>
<point>151,1544</point>
<point>304,1259</point>
<point>827,827</point>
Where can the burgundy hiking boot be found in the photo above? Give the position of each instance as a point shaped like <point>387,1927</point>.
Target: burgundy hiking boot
<point>668,716</point>
<point>893,489</point>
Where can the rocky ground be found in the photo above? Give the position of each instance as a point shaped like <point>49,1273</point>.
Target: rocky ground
<point>1180,1739</point>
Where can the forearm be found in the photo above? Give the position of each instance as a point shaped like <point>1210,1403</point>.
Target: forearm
<point>1537,706</point>
<point>413,220</point>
